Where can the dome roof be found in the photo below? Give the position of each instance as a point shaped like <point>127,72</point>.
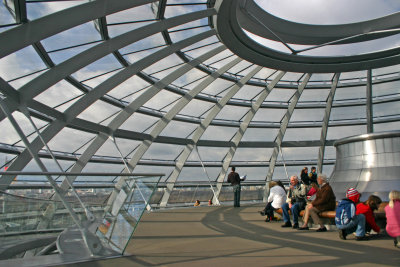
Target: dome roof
<point>174,86</point>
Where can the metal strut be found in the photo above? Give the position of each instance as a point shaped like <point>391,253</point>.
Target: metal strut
<point>209,180</point>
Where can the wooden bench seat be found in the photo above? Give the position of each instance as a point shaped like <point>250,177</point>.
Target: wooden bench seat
<point>330,214</point>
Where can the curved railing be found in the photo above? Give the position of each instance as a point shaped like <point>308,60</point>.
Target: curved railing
<point>96,218</point>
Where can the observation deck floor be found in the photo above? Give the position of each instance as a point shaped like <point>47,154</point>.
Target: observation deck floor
<point>227,236</point>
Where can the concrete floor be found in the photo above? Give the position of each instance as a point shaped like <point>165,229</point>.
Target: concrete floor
<point>227,236</point>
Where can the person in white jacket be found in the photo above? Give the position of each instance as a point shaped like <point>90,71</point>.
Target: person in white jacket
<point>276,198</point>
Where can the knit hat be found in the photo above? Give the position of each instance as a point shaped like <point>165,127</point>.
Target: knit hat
<point>353,195</point>
<point>351,192</point>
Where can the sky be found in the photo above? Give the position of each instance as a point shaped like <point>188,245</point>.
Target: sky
<point>331,13</point>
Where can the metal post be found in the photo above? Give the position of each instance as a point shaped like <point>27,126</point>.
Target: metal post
<point>88,213</point>
<point>209,180</point>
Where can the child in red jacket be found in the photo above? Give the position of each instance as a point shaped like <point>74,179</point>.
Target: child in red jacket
<point>367,208</point>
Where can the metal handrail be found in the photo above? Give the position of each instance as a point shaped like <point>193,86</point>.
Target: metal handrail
<point>80,173</point>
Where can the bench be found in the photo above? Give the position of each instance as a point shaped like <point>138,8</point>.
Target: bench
<point>329,215</point>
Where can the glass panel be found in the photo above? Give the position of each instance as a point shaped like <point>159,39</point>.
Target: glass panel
<point>20,63</point>
<point>5,14</point>
<point>232,113</point>
<point>335,133</point>
<point>81,34</point>
<point>248,92</point>
<point>389,126</point>
<point>300,153</point>
<point>24,208</point>
<point>249,155</point>
<point>178,129</point>
<point>280,95</point>
<point>386,90</point>
<point>61,95</point>
<point>269,115</point>
<point>98,112</point>
<point>302,134</point>
<point>38,9</point>
<point>260,134</point>
<point>219,133</point>
<point>120,222</point>
<point>143,12</point>
<point>307,115</point>
<point>138,122</point>
<point>197,174</point>
<point>163,151</point>
<point>171,11</point>
<point>210,154</point>
<point>310,95</point>
<point>350,93</point>
<point>348,113</point>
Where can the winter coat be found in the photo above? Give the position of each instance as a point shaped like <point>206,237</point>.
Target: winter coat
<point>393,219</point>
<point>325,198</point>
<point>362,208</point>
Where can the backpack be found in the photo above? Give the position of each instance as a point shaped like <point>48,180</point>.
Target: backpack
<point>345,211</point>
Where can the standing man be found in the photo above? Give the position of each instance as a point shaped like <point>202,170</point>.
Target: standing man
<point>234,179</point>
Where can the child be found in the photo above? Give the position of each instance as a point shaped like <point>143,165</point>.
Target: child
<point>393,217</point>
<point>346,219</point>
<point>367,208</point>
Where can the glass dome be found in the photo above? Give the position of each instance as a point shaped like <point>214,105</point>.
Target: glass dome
<point>185,88</point>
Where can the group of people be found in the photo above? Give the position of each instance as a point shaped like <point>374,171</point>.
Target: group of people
<point>313,194</point>
<point>355,216</point>
<point>309,178</point>
<point>313,198</point>
<point>316,195</point>
<point>197,203</point>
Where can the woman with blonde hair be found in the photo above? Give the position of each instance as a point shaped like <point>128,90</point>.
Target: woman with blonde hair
<point>393,217</point>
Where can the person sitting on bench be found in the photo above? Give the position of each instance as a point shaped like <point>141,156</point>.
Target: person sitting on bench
<point>325,200</point>
<point>277,196</point>
<point>296,201</point>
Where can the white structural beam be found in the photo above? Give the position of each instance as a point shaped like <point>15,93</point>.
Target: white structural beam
<point>369,106</point>
<point>42,28</point>
<point>325,123</point>
<point>199,132</point>
<point>242,129</point>
<point>284,125</point>
<point>74,110</point>
<point>134,106</point>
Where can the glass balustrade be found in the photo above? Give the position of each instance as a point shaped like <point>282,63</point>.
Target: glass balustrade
<point>30,205</point>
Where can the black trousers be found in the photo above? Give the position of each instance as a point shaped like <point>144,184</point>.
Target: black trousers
<point>269,210</point>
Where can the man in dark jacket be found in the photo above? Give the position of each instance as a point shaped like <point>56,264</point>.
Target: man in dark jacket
<point>234,179</point>
<point>324,200</point>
